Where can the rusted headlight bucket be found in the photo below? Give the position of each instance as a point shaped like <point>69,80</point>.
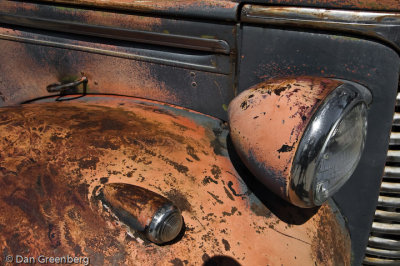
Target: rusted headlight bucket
<point>303,137</point>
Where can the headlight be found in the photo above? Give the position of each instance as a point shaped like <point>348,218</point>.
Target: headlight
<point>331,146</point>
<point>303,137</point>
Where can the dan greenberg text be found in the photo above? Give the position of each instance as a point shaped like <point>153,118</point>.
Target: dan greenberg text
<point>46,260</point>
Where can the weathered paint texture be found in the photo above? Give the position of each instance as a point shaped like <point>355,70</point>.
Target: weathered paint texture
<point>103,18</point>
<point>267,122</point>
<point>55,158</point>
<point>38,66</point>
<point>40,59</point>
<point>219,9</point>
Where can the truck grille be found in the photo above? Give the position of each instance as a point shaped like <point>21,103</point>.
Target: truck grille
<point>384,242</point>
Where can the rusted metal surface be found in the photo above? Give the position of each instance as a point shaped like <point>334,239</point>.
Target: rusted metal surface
<point>267,122</point>
<point>177,77</point>
<point>219,9</point>
<point>86,16</point>
<point>182,62</point>
<point>55,158</point>
<point>108,24</point>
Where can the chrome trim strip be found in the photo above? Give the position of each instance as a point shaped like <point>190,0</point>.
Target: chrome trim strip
<point>391,172</point>
<point>379,261</point>
<point>386,201</point>
<point>380,242</point>
<point>385,228</point>
<point>390,187</point>
<point>178,41</point>
<point>377,25</point>
<point>393,156</point>
<point>395,254</point>
<point>394,138</point>
<point>396,119</point>
<point>387,215</point>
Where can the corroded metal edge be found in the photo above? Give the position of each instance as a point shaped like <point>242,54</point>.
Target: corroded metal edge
<point>381,26</point>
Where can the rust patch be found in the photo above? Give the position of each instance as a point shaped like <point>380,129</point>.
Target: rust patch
<point>190,150</point>
<point>226,245</point>
<point>179,200</point>
<point>89,163</point>
<point>333,238</point>
<point>285,148</point>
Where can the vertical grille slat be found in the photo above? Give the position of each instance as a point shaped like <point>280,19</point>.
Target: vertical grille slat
<point>384,241</point>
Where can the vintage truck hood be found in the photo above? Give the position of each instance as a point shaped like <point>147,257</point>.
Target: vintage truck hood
<point>55,156</point>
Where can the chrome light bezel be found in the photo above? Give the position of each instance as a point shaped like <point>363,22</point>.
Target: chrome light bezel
<point>331,112</point>
<point>160,221</point>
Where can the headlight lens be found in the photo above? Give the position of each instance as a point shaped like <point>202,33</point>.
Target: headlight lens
<point>331,146</point>
<point>342,151</point>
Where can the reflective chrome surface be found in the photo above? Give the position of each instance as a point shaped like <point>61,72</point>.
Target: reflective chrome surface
<point>166,224</point>
<point>308,155</point>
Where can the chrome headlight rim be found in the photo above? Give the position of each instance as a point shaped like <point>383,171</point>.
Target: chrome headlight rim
<point>161,221</point>
<point>325,120</point>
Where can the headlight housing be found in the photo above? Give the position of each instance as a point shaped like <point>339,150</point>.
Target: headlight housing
<point>301,137</point>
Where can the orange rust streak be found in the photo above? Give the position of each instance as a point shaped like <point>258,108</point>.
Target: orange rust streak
<point>69,150</point>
